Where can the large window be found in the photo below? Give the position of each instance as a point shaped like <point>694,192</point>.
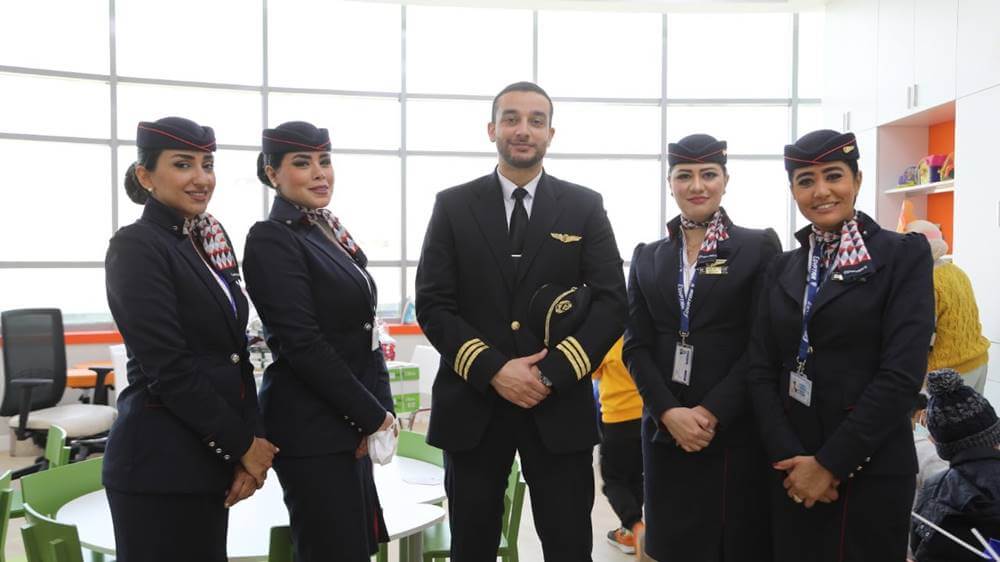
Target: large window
<point>405,91</point>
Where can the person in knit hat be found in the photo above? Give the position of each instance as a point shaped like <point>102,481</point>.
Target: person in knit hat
<point>966,431</point>
<point>959,342</point>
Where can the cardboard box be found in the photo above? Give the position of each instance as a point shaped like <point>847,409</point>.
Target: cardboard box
<point>404,383</point>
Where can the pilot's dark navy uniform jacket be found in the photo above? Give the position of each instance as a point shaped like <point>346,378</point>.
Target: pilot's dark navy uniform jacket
<point>868,338</point>
<point>473,304</point>
<point>190,410</point>
<point>709,505</point>
<point>327,389</point>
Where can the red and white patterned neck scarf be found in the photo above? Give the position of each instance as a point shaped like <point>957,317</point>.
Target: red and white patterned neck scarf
<point>845,251</point>
<point>208,234</point>
<point>716,230</point>
<point>340,233</point>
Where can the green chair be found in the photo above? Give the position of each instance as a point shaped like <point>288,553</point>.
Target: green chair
<point>280,547</point>
<point>56,454</point>
<point>50,489</point>
<point>47,540</point>
<point>437,539</point>
<point>47,491</point>
<point>414,445</point>
<point>5,497</point>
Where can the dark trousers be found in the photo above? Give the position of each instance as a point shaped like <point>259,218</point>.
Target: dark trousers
<point>169,527</point>
<point>621,469</point>
<point>333,507</point>
<point>561,489</point>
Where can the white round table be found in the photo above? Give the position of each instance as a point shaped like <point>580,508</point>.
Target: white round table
<point>409,481</point>
<point>405,505</point>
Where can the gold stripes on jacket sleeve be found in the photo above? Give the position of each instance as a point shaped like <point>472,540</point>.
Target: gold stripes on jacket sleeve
<point>467,355</point>
<point>576,356</point>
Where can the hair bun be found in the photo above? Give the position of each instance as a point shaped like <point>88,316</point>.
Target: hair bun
<point>943,381</point>
<point>133,188</point>
<point>262,170</point>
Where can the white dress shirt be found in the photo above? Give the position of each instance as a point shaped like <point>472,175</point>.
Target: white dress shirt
<point>508,188</point>
<point>688,267</point>
<point>222,284</point>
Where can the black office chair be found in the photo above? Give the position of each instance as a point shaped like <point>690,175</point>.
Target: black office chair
<point>34,367</point>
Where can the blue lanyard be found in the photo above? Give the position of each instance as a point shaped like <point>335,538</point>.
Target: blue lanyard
<point>685,298</point>
<point>812,288</point>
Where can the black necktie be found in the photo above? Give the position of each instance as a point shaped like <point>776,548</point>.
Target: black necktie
<point>518,223</point>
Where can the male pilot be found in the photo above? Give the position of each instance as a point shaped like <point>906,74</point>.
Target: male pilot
<point>501,387</point>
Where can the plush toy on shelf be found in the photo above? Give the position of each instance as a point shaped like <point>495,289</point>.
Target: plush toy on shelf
<point>909,177</point>
<point>929,168</point>
<point>948,168</point>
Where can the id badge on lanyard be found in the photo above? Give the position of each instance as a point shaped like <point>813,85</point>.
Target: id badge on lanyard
<point>684,352</point>
<point>799,385</point>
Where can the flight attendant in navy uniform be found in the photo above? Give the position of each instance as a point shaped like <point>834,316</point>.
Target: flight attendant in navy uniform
<point>692,299</point>
<point>187,443</point>
<point>838,355</point>
<point>328,388</point>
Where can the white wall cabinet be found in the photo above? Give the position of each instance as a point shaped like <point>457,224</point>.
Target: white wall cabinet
<point>977,211</point>
<point>978,57</point>
<point>849,96</point>
<point>895,58</point>
<point>916,56</point>
<point>935,32</point>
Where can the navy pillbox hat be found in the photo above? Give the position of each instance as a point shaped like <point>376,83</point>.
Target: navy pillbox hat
<point>174,133</point>
<point>819,147</point>
<point>295,136</point>
<point>697,149</point>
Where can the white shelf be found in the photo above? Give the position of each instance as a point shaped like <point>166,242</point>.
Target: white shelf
<point>924,189</point>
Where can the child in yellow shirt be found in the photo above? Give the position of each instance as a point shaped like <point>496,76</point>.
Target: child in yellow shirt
<point>621,447</point>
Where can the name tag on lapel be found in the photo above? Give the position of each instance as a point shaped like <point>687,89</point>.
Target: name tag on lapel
<point>565,238</point>
<point>718,267</point>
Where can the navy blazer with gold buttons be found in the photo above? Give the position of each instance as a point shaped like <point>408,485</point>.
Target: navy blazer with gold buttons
<point>327,387</point>
<point>472,303</point>
<point>190,410</point>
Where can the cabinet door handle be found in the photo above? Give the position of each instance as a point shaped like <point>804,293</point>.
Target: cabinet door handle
<point>847,121</point>
<point>915,90</point>
<point>909,97</point>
